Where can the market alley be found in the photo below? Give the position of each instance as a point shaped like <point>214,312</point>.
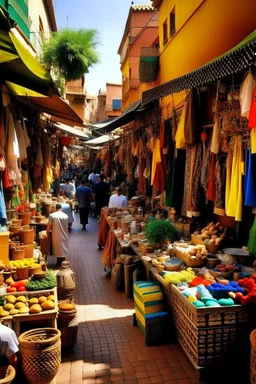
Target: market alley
<point>109,348</point>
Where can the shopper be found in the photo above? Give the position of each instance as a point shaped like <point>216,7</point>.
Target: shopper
<point>84,197</point>
<point>55,186</point>
<point>58,226</point>
<point>9,346</point>
<point>101,192</point>
<point>66,208</point>
<point>94,177</point>
<point>68,189</point>
<point>118,200</point>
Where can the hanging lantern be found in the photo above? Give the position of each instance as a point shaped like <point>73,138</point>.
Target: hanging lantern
<point>203,136</point>
<point>65,140</point>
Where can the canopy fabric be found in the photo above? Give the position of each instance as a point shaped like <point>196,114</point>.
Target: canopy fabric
<point>233,61</point>
<point>128,115</point>
<point>20,67</point>
<point>72,131</point>
<point>101,140</point>
<point>55,106</point>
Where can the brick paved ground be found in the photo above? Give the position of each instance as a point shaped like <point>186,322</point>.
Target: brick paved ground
<point>109,349</point>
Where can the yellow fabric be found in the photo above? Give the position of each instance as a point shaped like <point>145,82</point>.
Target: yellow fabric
<point>147,309</point>
<point>154,145</point>
<point>234,202</point>
<point>180,133</point>
<point>22,91</point>
<point>6,56</point>
<point>228,177</point>
<point>253,140</point>
<point>31,63</point>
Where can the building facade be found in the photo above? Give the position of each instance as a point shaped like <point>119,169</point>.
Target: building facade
<point>193,33</point>
<point>140,39</point>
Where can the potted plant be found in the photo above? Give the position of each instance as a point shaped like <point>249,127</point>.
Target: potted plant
<point>160,231</point>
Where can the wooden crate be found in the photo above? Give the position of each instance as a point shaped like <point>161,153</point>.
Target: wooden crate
<point>205,334</point>
<point>190,262</point>
<point>196,241</point>
<point>49,316</point>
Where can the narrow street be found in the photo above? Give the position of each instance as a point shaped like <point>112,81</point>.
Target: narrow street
<point>109,348</point>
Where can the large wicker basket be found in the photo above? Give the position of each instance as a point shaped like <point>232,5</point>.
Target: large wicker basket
<point>27,236</point>
<point>45,245</point>
<point>7,374</point>
<point>40,350</point>
<point>29,250</point>
<point>253,357</point>
<point>25,217</point>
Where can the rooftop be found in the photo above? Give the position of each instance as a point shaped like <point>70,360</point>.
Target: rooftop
<point>142,8</point>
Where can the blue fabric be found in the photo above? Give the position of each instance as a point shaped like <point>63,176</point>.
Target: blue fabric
<point>3,216</point>
<point>250,179</point>
<point>83,195</point>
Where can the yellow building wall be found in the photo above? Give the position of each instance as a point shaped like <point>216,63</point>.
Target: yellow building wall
<point>204,30</point>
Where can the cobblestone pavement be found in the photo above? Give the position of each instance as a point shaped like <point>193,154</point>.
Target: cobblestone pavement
<point>109,348</point>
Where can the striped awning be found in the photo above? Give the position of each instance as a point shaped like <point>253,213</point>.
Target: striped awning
<point>233,61</point>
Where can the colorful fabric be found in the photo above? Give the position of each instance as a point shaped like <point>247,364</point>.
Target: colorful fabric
<point>250,179</point>
<point>246,94</point>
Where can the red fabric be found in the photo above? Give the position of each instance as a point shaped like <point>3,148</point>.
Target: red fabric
<point>109,252</point>
<point>65,141</point>
<point>103,230</point>
<point>252,115</point>
<point>6,178</point>
<point>162,141</point>
<point>211,191</point>
<point>142,186</point>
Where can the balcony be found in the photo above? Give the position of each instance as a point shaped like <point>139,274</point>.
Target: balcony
<point>130,84</point>
<point>149,64</point>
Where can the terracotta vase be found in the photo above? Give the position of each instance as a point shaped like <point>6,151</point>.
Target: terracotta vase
<point>65,281</point>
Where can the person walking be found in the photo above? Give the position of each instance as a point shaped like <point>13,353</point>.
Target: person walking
<point>93,177</point>
<point>66,208</point>
<point>118,200</point>
<point>101,192</point>
<point>84,197</point>
<point>68,189</point>
<point>58,226</point>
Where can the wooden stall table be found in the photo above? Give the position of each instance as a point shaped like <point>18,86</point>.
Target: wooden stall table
<point>49,316</point>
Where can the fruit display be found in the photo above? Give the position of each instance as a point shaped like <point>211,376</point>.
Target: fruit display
<point>24,304</point>
<point>47,282</point>
<point>24,263</point>
<point>212,233</point>
<point>195,251</point>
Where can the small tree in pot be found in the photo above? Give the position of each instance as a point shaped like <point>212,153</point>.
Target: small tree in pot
<point>160,231</point>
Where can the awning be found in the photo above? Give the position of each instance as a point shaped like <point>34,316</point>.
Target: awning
<point>101,140</point>
<point>17,64</point>
<point>233,61</point>
<point>72,131</point>
<point>130,114</point>
<point>54,105</point>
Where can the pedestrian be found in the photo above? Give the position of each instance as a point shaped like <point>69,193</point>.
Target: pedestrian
<point>58,226</point>
<point>101,192</point>
<point>68,189</point>
<point>55,186</point>
<point>9,346</point>
<point>66,208</point>
<point>93,177</point>
<point>118,200</point>
<point>84,197</point>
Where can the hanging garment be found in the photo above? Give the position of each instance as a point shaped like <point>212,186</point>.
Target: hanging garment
<point>180,133</point>
<point>234,189</point>
<point>27,140</point>
<point>215,144</point>
<point>21,140</point>
<point>154,145</point>
<point>246,94</point>
<point>250,179</point>
<point>253,140</point>
<point>3,216</point>
<point>134,145</point>
<point>211,190</point>
<point>205,171</point>
<point>252,114</point>
<point>220,181</point>
<point>195,192</point>
<point>12,150</point>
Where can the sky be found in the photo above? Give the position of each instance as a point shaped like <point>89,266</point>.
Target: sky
<point>109,18</point>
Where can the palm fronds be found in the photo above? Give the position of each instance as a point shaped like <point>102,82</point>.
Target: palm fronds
<point>73,52</point>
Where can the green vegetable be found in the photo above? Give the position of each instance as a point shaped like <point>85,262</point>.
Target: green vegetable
<point>159,231</point>
<point>48,282</point>
<point>2,300</point>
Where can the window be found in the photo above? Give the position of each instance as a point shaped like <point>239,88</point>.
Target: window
<point>116,104</point>
<point>172,23</point>
<point>165,32</point>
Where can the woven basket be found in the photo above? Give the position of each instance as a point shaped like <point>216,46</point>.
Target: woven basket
<point>29,250</point>
<point>45,245</point>
<point>40,350</point>
<point>253,357</point>
<point>7,374</point>
<point>18,254</point>
<point>25,216</point>
<point>27,236</point>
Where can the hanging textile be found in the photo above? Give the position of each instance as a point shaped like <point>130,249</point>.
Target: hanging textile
<point>134,144</point>
<point>211,190</point>
<point>205,171</point>
<point>21,140</point>
<point>250,179</point>
<point>215,144</point>
<point>252,114</point>
<point>47,169</point>
<point>12,150</point>
<point>220,181</point>
<point>253,140</point>
<point>246,94</point>
<point>234,189</point>
<point>180,133</point>
<point>154,145</point>
<point>27,140</point>
<point>3,216</point>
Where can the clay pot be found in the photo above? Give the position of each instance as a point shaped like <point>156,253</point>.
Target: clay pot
<point>65,281</point>
<point>68,325</point>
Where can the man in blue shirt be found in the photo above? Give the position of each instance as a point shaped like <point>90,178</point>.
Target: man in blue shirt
<point>83,196</point>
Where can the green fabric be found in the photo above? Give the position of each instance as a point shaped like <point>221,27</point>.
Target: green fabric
<point>27,71</point>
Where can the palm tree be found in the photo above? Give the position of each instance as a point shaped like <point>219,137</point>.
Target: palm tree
<point>71,52</point>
